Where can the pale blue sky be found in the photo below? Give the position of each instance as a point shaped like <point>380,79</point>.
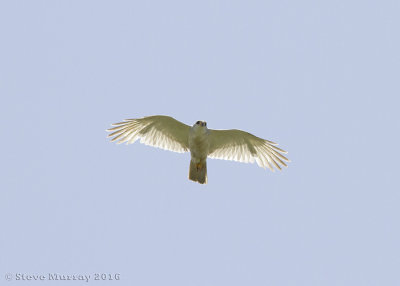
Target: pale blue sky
<point>321,78</point>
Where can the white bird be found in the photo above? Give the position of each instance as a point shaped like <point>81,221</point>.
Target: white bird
<point>167,133</point>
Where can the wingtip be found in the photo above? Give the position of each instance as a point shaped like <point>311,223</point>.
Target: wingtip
<point>118,123</point>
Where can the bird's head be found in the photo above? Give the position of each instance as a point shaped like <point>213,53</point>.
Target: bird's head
<point>200,124</point>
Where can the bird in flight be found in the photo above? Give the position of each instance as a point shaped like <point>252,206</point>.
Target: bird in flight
<point>170,134</point>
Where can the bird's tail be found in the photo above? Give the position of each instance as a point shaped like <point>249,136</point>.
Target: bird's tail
<point>198,172</point>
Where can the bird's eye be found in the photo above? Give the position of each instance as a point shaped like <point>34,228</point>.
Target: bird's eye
<point>198,122</point>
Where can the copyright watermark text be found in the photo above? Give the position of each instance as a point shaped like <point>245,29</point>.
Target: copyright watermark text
<point>62,277</point>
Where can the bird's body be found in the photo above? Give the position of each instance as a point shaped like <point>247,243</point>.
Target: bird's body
<point>167,133</point>
<point>199,146</point>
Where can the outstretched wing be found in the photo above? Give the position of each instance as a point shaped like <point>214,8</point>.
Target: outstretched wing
<point>237,145</point>
<point>159,131</point>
